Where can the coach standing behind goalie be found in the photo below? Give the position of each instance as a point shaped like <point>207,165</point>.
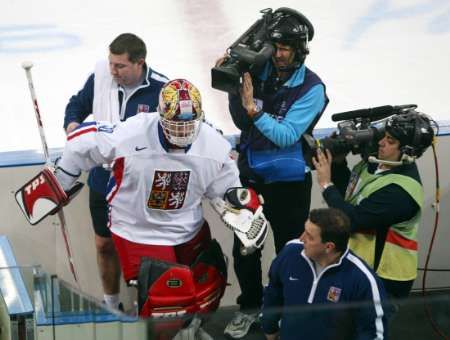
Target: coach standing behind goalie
<point>118,89</point>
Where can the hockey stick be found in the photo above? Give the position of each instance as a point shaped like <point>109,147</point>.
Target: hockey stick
<point>27,65</point>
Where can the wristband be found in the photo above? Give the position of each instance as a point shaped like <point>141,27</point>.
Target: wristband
<point>326,186</point>
<point>254,111</point>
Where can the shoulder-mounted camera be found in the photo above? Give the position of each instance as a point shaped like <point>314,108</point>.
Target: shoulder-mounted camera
<point>256,46</point>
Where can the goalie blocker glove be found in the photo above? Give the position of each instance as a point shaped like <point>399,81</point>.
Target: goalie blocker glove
<point>244,198</point>
<point>43,195</point>
<point>242,212</point>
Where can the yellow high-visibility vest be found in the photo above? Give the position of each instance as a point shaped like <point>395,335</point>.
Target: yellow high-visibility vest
<point>399,257</point>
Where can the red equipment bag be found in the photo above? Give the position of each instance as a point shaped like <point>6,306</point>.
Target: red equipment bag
<point>171,293</point>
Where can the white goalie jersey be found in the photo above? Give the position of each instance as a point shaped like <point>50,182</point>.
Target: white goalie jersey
<point>154,193</point>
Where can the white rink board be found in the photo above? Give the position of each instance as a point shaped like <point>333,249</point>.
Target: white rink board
<point>368,53</point>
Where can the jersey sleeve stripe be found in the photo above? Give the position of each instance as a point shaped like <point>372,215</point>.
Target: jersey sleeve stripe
<point>82,131</point>
<point>118,171</point>
<point>375,295</point>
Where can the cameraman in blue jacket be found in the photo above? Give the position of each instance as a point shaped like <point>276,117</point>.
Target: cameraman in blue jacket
<point>276,106</point>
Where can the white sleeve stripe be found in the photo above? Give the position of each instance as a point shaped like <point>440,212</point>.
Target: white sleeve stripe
<point>375,294</point>
<point>159,77</point>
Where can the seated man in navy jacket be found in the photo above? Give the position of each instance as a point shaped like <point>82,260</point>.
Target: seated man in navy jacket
<point>319,269</point>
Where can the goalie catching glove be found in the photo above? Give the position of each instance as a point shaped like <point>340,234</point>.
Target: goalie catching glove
<point>242,212</point>
<point>43,195</point>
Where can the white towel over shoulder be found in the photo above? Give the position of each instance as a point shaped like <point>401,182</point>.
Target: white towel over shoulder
<point>106,96</point>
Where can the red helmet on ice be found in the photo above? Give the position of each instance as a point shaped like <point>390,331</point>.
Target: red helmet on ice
<point>180,111</point>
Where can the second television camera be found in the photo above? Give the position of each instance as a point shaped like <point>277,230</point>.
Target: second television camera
<point>253,48</point>
<point>359,131</point>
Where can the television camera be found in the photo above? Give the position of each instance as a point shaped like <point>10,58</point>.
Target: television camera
<point>359,132</point>
<point>253,48</point>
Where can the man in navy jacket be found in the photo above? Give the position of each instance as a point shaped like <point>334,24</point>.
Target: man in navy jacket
<point>119,88</point>
<point>311,276</point>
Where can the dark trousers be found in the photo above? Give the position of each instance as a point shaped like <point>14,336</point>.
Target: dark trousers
<point>98,207</point>
<point>286,207</point>
<point>397,289</point>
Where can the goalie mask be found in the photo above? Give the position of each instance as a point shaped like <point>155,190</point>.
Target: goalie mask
<point>180,111</point>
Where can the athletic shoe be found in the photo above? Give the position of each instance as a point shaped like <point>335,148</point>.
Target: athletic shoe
<point>193,331</point>
<point>119,306</point>
<point>239,326</point>
<point>203,335</point>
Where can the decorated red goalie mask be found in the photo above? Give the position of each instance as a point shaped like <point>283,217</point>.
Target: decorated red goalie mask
<point>180,110</point>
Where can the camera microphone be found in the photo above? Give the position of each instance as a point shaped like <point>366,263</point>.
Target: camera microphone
<point>406,159</point>
<point>373,159</point>
<point>375,113</point>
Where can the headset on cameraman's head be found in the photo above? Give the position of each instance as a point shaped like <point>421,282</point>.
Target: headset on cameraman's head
<point>292,28</point>
<point>414,130</point>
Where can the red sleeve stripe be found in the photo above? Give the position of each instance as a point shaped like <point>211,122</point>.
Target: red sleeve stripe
<point>118,170</point>
<point>82,131</point>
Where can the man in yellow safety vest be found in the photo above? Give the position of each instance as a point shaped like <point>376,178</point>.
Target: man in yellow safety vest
<point>383,198</point>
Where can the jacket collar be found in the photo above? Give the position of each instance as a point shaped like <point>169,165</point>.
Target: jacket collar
<point>297,78</point>
<point>336,264</point>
